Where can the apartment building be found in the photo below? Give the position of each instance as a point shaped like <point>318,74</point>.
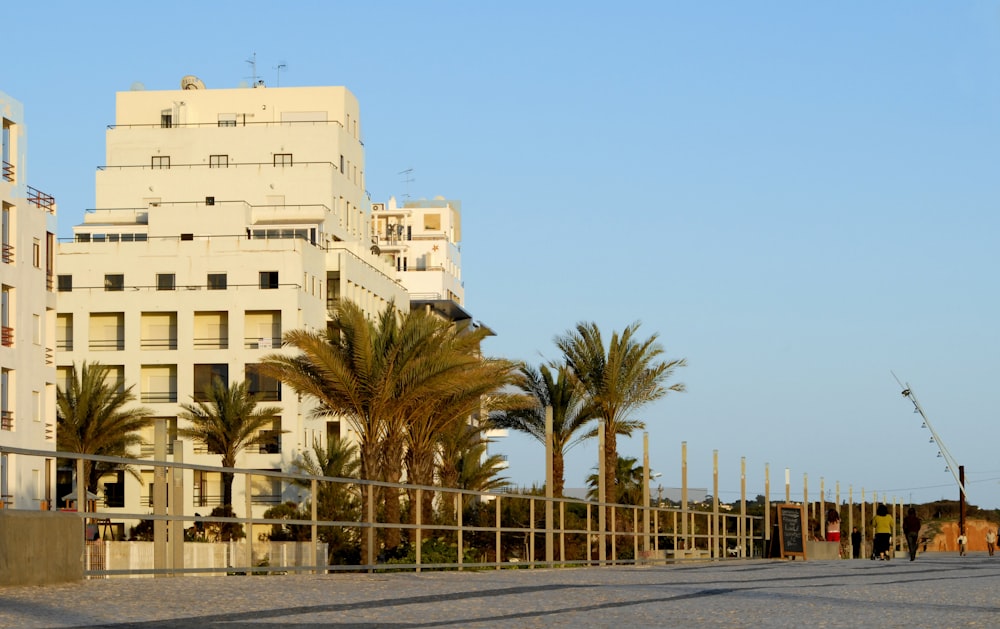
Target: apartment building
<point>421,240</point>
<point>27,323</point>
<point>223,218</point>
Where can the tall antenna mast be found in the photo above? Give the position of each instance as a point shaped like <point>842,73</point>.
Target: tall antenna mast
<point>253,67</point>
<point>277,78</point>
<point>935,438</point>
<point>407,179</point>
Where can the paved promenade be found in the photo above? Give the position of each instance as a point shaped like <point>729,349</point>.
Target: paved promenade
<point>937,590</point>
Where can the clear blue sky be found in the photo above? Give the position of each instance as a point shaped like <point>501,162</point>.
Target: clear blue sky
<point>797,197</point>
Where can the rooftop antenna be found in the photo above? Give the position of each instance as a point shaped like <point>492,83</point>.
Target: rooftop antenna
<point>407,179</point>
<point>253,67</point>
<point>953,466</point>
<point>277,73</point>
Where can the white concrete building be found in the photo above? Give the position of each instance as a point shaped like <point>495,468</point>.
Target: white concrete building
<point>27,317</point>
<point>224,217</point>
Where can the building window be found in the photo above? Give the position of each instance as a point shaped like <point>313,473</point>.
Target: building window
<point>216,281</point>
<point>218,161</point>
<point>36,253</point>
<point>161,161</point>
<point>64,283</point>
<point>114,282</point>
<point>166,120</point>
<point>166,281</point>
<point>267,388</point>
<point>227,120</point>
<point>269,279</point>
<point>204,376</point>
<point>282,159</point>
<point>341,164</point>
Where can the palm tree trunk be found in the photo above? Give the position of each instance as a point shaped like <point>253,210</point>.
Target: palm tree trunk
<point>227,489</point>
<point>610,467</point>
<point>558,473</point>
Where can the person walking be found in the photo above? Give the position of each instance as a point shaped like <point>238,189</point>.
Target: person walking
<point>911,529</point>
<point>991,541</point>
<point>856,542</point>
<point>882,524</point>
<point>962,541</point>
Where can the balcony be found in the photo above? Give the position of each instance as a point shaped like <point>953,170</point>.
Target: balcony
<point>164,343</point>
<point>107,345</point>
<point>159,397</point>
<point>6,420</point>
<point>211,342</point>
<point>42,200</point>
<point>7,336</point>
<point>273,342</point>
<point>8,253</point>
<point>8,171</point>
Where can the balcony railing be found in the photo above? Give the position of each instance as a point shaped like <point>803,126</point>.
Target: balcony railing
<point>160,397</point>
<point>168,343</point>
<point>64,345</point>
<point>8,253</point>
<point>40,199</point>
<point>107,345</point>
<point>50,356</point>
<point>7,336</point>
<point>8,171</point>
<point>6,420</point>
<point>211,342</point>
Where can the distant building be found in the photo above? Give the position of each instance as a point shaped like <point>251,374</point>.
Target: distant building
<point>224,218</point>
<point>27,317</point>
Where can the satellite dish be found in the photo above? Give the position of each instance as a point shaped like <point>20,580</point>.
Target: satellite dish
<point>376,250</point>
<point>191,82</point>
<point>137,86</point>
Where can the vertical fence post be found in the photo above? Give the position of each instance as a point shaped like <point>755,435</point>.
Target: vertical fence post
<point>313,527</point>
<point>715,536</point>
<point>160,495</point>
<point>498,530</point>
<point>645,493</point>
<point>248,501</point>
<point>420,522</point>
<point>614,535</point>
<point>684,495</point>
<point>531,531</point>
<point>602,496</point>
<point>460,520</point>
<point>177,509</point>
<point>743,507</point>
<point>562,531</point>
<point>590,555</point>
<point>767,510</point>
<point>635,534</point>
<point>549,493</point>
<point>370,533</point>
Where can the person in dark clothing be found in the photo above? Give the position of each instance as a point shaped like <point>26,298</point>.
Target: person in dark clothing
<point>911,528</point>
<point>856,542</point>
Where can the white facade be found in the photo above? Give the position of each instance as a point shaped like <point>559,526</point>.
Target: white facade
<point>422,241</point>
<point>27,310</point>
<point>224,219</point>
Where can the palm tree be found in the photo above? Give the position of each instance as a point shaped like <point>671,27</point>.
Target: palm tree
<point>465,465</point>
<point>227,421</point>
<point>626,375</point>
<point>628,491</point>
<point>335,501</point>
<point>93,418</point>
<point>571,412</point>
<point>384,377</point>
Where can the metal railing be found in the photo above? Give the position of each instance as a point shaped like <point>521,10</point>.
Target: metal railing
<point>6,420</point>
<point>468,529</point>
<point>7,336</point>
<point>8,171</point>
<point>8,253</point>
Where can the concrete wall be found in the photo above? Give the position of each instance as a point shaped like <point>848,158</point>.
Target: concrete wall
<point>40,547</point>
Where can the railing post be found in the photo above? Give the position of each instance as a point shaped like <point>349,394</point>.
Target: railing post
<point>459,520</point>
<point>614,535</point>
<point>590,556</point>
<point>419,520</point>
<point>248,499</point>
<point>313,527</point>
<point>635,533</point>
<point>562,531</point>
<point>684,495</point>
<point>531,531</point>
<point>549,493</point>
<point>370,559</point>
<point>160,495</point>
<point>743,506</point>
<point>497,521</point>
<point>715,536</point>
<point>177,509</point>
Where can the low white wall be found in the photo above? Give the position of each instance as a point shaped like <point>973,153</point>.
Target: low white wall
<point>229,555</point>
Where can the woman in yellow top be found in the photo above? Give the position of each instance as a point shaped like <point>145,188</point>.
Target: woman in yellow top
<point>883,533</point>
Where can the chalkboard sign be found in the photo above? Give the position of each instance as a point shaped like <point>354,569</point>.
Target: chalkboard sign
<point>790,531</point>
